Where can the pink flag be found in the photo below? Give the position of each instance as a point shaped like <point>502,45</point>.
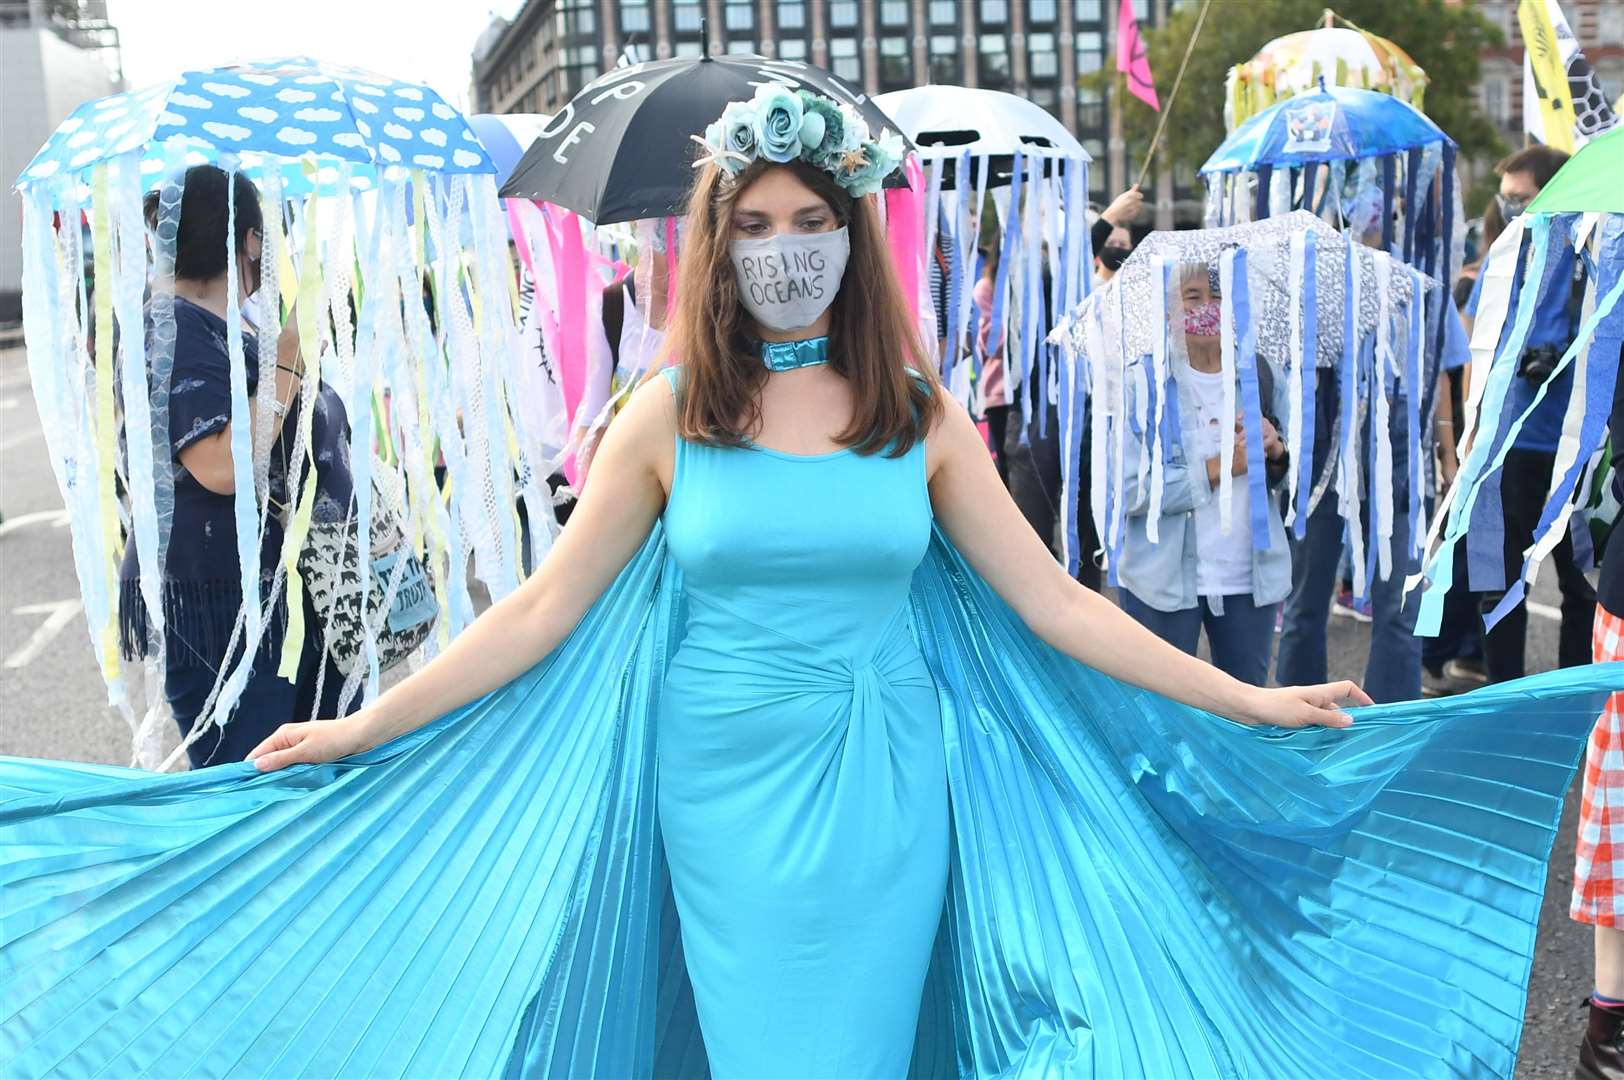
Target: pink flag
<point>1131,58</point>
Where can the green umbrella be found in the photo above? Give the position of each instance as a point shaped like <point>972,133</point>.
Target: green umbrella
<point>1593,179</point>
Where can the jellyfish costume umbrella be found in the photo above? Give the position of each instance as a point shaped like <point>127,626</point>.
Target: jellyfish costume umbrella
<point>1300,299</point>
<point>1581,207</point>
<point>1134,887</point>
<point>369,187</point>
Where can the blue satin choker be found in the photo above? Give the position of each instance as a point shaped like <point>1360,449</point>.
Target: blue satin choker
<point>789,355</point>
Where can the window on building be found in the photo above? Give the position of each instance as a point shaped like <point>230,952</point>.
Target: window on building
<point>688,50</point>
<point>844,61</point>
<point>792,16</point>
<point>634,19</point>
<point>1088,11</point>
<point>894,13</point>
<point>1039,12</point>
<point>1046,95</point>
<point>1090,109</point>
<point>1495,105</point>
<point>792,49</point>
<point>740,17</point>
<point>944,13</point>
<point>686,16</point>
<point>843,14</point>
<point>944,59</point>
<point>1044,61</point>
<point>896,63</point>
<point>994,12</point>
<point>993,62</point>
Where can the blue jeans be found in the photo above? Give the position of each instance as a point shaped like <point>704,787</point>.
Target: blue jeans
<point>1241,638</point>
<point>1393,672</point>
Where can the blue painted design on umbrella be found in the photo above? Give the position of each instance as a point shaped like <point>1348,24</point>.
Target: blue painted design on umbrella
<point>268,111</point>
<point>1335,123</point>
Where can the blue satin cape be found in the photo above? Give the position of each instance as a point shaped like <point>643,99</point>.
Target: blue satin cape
<point>1136,888</point>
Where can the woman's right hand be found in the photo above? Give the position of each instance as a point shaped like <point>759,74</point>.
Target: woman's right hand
<point>311,743</point>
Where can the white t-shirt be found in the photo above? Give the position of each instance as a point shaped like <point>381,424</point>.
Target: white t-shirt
<point>1223,563</point>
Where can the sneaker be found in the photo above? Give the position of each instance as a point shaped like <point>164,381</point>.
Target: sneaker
<point>1467,670</point>
<point>1436,684</point>
<point>1279,619</point>
<point>1345,606</point>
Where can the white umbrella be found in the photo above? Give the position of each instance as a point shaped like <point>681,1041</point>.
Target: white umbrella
<point>945,121</point>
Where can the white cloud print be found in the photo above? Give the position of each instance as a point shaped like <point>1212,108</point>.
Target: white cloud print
<point>296,136</point>
<point>257,113</point>
<point>467,159</point>
<point>348,138</point>
<point>229,132</point>
<point>363,105</point>
<point>295,97</point>
<point>434,136</point>
<point>190,101</point>
<point>429,161</point>
<point>409,112</point>
<point>230,90</point>
<point>396,131</point>
<point>317,116</point>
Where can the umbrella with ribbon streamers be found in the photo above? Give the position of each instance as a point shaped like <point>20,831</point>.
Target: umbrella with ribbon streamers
<point>1301,297</point>
<point>281,111</point>
<point>622,149</point>
<point>1334,123</point>
<point>378,212</point>
<point>1295,63</point>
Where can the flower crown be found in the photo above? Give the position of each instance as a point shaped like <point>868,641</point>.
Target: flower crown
<point>783,124</point>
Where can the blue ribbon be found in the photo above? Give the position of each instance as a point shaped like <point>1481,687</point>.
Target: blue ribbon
<point>1417,367</point>
<point>1412,211</point>
<point>1006,253</point>
<point>1389,162</point>
<point>1257,481</point>
<point>1261,201</point>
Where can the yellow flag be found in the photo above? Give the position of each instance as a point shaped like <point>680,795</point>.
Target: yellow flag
<point>1550,74</point>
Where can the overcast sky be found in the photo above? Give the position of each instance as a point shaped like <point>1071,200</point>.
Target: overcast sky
<point>427,41</point>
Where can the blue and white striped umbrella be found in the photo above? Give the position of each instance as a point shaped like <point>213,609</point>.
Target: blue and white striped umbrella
<point>282,111</point>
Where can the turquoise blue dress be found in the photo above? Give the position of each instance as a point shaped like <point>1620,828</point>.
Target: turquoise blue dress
<point>802,776</point>
<point>801,796</point>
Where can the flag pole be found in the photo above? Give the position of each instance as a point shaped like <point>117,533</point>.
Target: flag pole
<point>1161,124</point>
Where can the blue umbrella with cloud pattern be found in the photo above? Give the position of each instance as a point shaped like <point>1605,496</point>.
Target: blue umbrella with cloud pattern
<point>267,112</point>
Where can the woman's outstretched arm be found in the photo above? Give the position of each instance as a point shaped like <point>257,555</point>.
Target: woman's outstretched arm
<point>615,515</point>
<point>977,514</point>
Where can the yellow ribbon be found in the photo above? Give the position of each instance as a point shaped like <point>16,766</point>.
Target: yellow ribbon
<point>311,290</point>
<point>106,416</point>
<point>1550,74</point>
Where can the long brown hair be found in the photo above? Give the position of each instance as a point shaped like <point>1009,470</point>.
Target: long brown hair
<point>872,341</point>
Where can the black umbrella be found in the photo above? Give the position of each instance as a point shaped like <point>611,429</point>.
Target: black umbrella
<point>623,147</point>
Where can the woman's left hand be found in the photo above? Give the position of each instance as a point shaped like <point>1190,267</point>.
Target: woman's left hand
<point>1301,706</point>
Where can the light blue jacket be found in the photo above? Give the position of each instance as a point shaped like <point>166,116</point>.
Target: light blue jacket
<point>1163,574</point>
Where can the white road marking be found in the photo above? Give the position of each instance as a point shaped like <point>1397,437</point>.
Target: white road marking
<point>57,616</point>
<point>57,519</point>
<point>1545,611</point>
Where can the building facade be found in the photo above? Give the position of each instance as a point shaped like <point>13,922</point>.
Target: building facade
<point>54,56</point>
<point>1038,49</point>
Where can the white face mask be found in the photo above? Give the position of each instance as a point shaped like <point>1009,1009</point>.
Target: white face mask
<point>788,281</point>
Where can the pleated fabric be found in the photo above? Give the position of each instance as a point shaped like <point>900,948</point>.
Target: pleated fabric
<point>1136,888</point>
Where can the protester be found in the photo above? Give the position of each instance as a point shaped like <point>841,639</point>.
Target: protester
<point>1598,894</point>
<point>1195,574</point>
<point>1525,476</point>
<point>201,587</point>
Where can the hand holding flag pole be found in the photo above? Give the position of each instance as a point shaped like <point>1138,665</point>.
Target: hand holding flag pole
<point>1129,45</point>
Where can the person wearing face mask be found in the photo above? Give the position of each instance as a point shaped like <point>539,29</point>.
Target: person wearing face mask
<point>1110,256</point>
<point>1195,575</point>
<point>201,587</point>
<point>798,756</point>
<point>1525,476</point>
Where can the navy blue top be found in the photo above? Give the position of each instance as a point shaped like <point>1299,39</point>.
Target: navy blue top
<point>202,579</point>
<point>1553,326</point>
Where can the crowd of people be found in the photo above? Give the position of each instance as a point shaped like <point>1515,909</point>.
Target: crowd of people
<point>821,601</point>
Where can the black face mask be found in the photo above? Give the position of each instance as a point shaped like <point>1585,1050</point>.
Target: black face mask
<point>1112,256</point>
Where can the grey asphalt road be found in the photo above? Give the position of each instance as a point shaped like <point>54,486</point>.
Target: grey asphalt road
<point>53,703</point>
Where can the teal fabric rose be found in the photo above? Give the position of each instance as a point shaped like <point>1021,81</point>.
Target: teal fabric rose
<point>825,153</point>
<point>868,177</point>
<point>778,123</point>
<point>737,135</point>
<point>812,129</point>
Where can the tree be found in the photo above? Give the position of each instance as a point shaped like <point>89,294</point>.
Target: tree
<point>1444,39</point>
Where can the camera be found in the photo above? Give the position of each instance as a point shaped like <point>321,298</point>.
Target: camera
<point>1538,362</point>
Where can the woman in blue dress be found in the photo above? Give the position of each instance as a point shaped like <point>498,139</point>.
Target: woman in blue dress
<point>898,826</point>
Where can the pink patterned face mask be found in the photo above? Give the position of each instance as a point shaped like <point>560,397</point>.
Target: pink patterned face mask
<point>1202,320</point>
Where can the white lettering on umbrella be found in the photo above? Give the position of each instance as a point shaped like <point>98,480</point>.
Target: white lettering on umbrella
<point>623,91</point>
<point>583,128</point>
<point>558,123</point>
